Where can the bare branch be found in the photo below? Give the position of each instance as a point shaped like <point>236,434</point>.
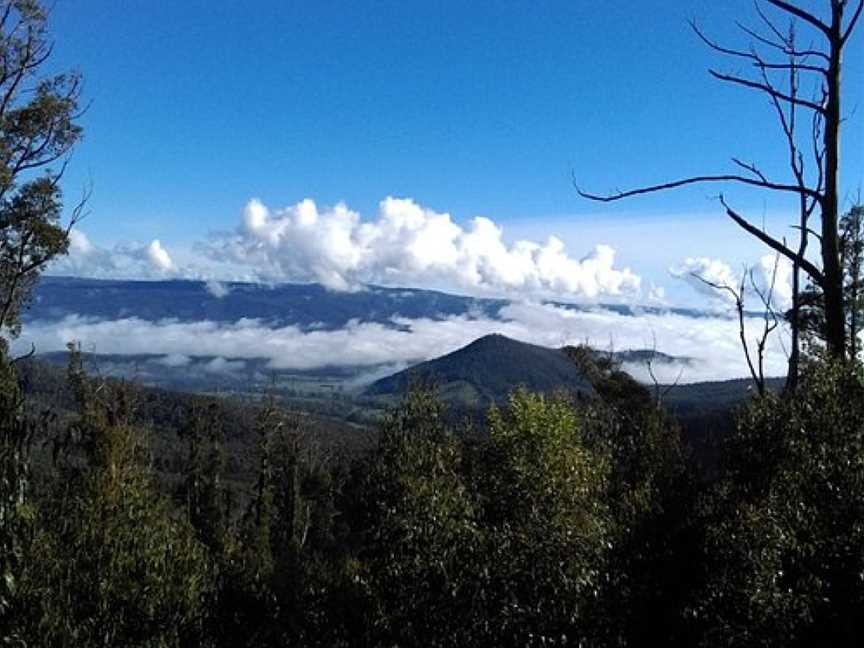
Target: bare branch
<point>659,392</point>
<point>751,167</point>
<point>782,47</point>
<point>810,231</point>
<point>774,244</point>
<point>618,195</point>
<point>738,296</point>
<point>758,61</point>
<point>766,88</point>
<point>770,24</point>
<point>789,66</point>
<point>852,22</point>
<point>803,15</point>
<point>29,354</point>
<point>720,48</point>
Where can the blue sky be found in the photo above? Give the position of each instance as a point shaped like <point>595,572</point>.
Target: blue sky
<point>481,108</point>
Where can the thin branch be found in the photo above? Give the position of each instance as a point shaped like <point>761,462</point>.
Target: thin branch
<point>788,66</point>
<point>747,83</point>
<point>716,46</point>
<point>738,296</point>
<point>803,15</point>
<point>751,167</point>
<point>852,22</point>
<point>770,24</point>
<point>782,47</point>
<point>29,354</point>
<point>618,195</point>
<point>810,231</point>
<point>758,61</point>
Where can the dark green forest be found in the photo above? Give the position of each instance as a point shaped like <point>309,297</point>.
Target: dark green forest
<point>134,516</point>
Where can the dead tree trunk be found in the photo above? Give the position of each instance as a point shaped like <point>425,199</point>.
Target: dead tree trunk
<point>832,287</point>
<point>818,188</point>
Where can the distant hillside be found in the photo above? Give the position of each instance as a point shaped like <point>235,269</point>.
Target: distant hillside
<point>303,305</point>
<point>307,306</point>
<point>487,370</point>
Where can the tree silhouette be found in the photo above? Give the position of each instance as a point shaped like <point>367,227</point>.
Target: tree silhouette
<point>814,156</point>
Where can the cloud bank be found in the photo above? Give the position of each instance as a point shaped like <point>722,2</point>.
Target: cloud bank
<point>710,342</point>
<point>407,244</point>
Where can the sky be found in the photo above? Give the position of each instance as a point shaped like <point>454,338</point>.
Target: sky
<point>213,126</point>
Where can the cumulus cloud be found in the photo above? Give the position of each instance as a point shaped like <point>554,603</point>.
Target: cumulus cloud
<point>696,271</point>
<point>408,244</point>
<point>159,258</point>
<point>773,275</point>
<point>121,261</point>
<point>770,275</point>
<point>217,289</point>
<point>711,343</point>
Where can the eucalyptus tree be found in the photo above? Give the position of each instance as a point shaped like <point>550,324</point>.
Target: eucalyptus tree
<point>39,127</point>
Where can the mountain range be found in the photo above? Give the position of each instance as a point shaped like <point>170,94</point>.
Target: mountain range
<point>308,306</point>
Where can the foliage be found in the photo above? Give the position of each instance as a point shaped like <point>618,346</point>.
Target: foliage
<point>544,509</point>
<point>421,530</point>
<point>784,540</point>
<point>852,264</point>
<point>108,563</point>
<point>37,127</point>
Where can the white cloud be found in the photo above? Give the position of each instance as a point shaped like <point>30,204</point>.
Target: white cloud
<point>711,342</point>
<point>696,271</point>
<point>159,258</point>
<point>774,275</point>
<point>657,294</point>
<point>217,289</point>
<point>175,360</point>
<point>84,258</point>
<point>222,365</point>
<point>122,261</point>
<point>407,244</point>
<point>771,275</point>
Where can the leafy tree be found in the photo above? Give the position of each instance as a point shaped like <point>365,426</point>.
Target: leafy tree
<point>422,531</point>
<point>650,570</point>
<point>852,257</point>
<point>547,522</point>
<point>812,315</point>
<point>205,497</point>
<point>17,511</point>
<point>38,114</point>
<point>37,127</point>
<point>109,564</point>
<point>784,541</point>
<point>282,574</point>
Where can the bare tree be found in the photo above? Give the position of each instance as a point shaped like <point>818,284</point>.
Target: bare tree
<point>816,183</point>
<point>769,319</point>
<point>660,390</point>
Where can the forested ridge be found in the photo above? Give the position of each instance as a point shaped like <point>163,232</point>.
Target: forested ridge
<point>560,519</point>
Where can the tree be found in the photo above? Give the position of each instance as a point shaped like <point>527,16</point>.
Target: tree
<point>421,528</point>
<point>109,563</point>
<point>814,159</point>
<point>812,302</point>
<point>852,256</point>
<point>783,542</point>
<point>38,127</point>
